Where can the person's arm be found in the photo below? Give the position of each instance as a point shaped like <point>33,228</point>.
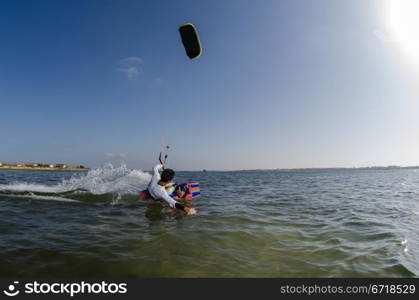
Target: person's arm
<point>156,175</point>
<point>174,204</point>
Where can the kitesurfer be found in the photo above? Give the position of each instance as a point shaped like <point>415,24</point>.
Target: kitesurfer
<point>156,188</point>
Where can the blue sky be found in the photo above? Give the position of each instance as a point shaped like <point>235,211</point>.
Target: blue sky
<point>280,84</point>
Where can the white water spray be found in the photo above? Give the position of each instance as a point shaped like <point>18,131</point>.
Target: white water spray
<point>107,179</point>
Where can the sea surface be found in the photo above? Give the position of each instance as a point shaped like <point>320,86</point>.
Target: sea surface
<point>323,223</point>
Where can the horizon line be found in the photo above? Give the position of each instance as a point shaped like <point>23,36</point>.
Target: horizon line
<point>310,168</point>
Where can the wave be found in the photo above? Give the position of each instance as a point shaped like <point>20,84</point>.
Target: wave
<point>40,197</point>
<point>105,181</point>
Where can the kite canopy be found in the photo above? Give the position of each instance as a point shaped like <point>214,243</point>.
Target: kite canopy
<point>190,40</point>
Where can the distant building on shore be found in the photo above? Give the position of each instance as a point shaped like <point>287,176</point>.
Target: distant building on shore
<point>40,166</point>
<point>32,165</point>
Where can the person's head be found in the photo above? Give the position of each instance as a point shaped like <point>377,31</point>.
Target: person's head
<point>167,175</point>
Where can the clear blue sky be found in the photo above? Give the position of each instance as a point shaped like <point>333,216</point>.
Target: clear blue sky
<point>280,84</point>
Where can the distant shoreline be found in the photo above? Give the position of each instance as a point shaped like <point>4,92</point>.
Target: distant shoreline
<point>310,169</point>
<point>44,169</point>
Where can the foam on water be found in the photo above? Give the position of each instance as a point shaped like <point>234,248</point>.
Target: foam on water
<point>39,197</point>
<point>28,187</point>
<point>107,179</point>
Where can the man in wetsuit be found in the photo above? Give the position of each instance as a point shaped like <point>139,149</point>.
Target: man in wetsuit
<point>157,190</point>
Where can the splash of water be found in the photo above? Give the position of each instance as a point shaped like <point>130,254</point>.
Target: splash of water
<point>107,179</point>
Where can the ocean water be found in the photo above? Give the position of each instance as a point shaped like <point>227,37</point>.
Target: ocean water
<point>325,223</point>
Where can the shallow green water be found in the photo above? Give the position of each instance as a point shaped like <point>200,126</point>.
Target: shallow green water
<point>354,223</point>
